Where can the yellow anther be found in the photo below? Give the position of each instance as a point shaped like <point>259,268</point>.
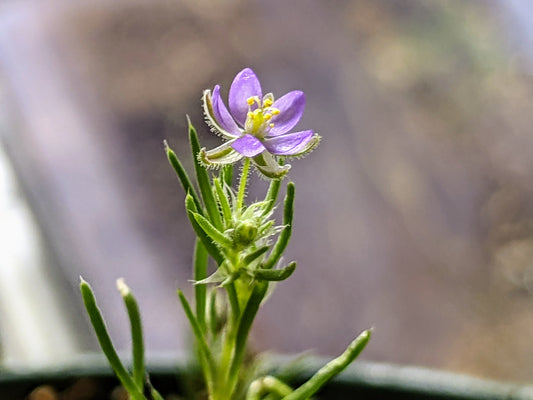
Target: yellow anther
<point>250,101</point>
<point>251,115</point>
<point>268,116</point>
<point>267,102</point>
<point>271,125</point>
<point>274,111</point>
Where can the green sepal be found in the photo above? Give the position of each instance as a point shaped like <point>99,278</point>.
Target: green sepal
<point>267,165</point>
<point>219,156</point>
<point>274,274</point>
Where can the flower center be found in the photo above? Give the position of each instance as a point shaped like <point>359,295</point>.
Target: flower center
<point>260,113</point>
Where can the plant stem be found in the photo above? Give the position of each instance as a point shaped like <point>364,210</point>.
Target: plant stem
<point>228,347</point>
<point>207,361</point>
<point>200,291</point>
<point>242,183</point>
<point>245,323</point>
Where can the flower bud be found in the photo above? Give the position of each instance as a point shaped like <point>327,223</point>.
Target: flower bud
<point>245,233</point>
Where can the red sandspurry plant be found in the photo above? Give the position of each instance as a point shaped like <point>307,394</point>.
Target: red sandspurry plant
<point>241,239</point>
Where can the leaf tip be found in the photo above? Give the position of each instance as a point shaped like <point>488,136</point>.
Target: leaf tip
<point>122,287</point>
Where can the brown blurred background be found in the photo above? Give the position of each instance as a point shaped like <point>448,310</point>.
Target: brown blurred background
<point>415,215</point>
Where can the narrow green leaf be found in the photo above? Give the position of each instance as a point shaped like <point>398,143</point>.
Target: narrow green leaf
<point>200,291</point>
<point>223,202</point>
<point>285,235</point>
<point>210,371</point>
<point>288,209</point>
<point>268,385</point>
<point>212,232</point>
<point>202,178</point>
<point>272,195</point>
<point>155,394</point>
<point>206,241</point>
<point>331,369</point>
<point>250,258</point>
<point>182,175</point>
<point>233,298</point>
<point>136,332</point>
<point>274,274</point>
<point>106,344</point>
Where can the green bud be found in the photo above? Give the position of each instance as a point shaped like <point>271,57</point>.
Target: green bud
<point>245,233</point>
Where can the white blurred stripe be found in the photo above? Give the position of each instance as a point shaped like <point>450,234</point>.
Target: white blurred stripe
<point>33,329</point>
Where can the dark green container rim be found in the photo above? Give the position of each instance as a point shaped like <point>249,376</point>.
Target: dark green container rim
<point>362,380</point>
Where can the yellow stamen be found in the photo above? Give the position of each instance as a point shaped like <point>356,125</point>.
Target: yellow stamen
<point>274,111</point>
<point>271,125</point>
<point>250,101</point>
<point>268,116</point>
<point>267,102</point>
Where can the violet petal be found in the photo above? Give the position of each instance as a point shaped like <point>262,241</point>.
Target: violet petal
<point>212,120</point>
<point>244,86</point>
<point>291,107</point>
<point>289,144</point>
<point>222,114</point>
<point>248,146</point>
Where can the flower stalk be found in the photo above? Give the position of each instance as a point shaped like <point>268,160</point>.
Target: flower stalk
<point>243,182</point>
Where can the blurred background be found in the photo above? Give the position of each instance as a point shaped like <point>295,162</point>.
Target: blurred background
<point>415,215</point>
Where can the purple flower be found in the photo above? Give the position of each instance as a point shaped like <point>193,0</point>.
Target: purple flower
<point>256,126</point>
